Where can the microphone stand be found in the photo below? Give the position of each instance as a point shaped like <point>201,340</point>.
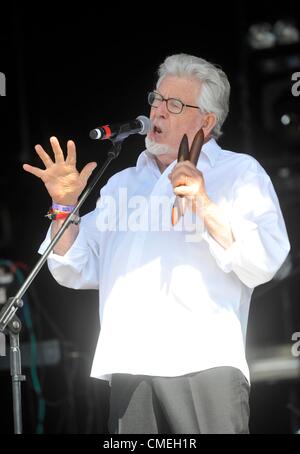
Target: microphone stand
<point>9,322</point>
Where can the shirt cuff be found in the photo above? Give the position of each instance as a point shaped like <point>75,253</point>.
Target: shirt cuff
<point>74,255</point>
<point>225,258</point>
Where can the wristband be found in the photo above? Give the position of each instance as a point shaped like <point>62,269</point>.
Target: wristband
<point>55,215</point>
<point>63,208</point>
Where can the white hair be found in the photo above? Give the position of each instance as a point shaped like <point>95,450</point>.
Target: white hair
<point>215,88</point>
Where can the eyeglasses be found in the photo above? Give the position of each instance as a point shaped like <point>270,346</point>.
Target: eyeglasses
<point>174,105</point>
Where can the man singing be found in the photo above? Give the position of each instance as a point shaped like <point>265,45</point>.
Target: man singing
<point>174,296</point>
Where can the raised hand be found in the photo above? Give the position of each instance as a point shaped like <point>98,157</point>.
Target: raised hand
<point>63,181</point>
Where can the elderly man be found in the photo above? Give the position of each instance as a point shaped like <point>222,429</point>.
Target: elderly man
<point>174,299</point>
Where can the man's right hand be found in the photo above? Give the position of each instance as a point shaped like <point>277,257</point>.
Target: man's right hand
<point>61,178</point>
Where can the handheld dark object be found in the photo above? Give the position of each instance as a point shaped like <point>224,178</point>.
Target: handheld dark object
<point>183,155</point>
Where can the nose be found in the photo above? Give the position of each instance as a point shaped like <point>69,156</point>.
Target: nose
<point>161,111</point>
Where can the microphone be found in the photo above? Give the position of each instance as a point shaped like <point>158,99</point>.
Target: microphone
<point>119,131</point>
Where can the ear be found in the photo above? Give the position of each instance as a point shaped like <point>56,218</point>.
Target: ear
<point>209,123</point>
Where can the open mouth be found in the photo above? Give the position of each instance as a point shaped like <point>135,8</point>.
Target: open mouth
<point>157,130</point>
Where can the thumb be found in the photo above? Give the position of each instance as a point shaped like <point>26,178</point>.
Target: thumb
<point>87,171</point>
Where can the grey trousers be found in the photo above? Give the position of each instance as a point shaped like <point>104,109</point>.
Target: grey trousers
<point>214,401</point>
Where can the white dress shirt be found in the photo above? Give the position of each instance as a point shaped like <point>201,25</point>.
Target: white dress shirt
<point>172,300</point>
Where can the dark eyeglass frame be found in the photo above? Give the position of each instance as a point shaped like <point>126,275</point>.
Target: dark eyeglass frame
<point>151,93</point>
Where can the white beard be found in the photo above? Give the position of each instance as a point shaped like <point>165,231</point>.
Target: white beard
<point>157,149</point>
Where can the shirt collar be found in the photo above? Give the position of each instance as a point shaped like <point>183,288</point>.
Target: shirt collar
<point>210,149</point>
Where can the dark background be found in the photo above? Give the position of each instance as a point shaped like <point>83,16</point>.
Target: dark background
<point>72,67</point>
